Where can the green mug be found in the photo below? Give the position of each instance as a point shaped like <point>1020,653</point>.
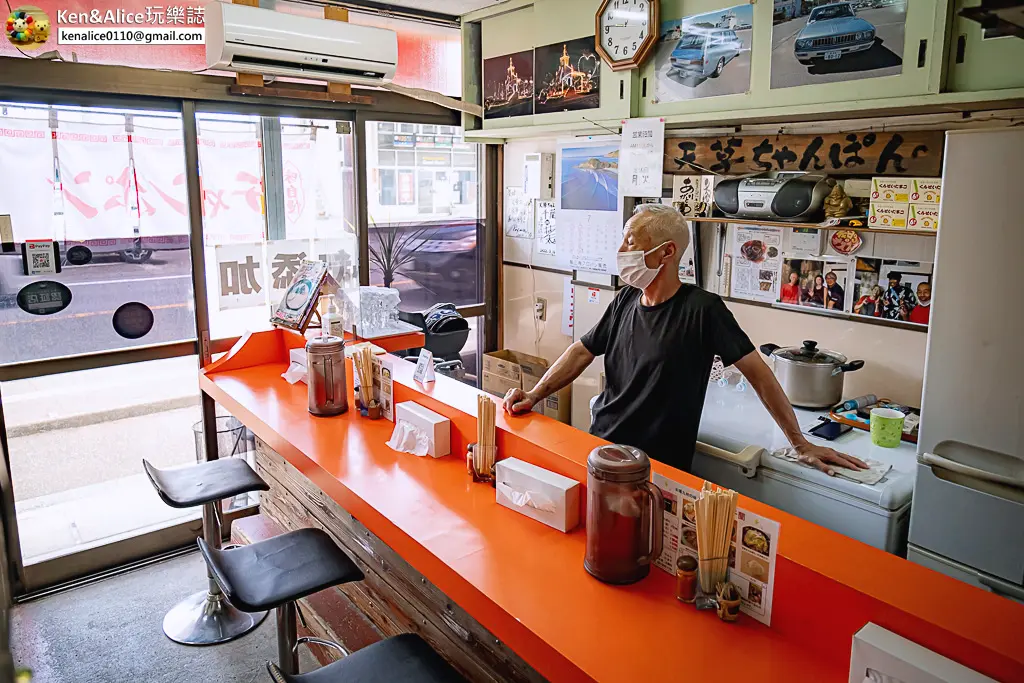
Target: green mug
<point>886,427</point>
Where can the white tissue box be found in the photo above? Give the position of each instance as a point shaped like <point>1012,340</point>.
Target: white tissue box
<point>297,356</point>
<point>538,493</point>
<point>438,428</point>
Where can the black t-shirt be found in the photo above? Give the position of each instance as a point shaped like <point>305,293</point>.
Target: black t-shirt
<point>657,364</point>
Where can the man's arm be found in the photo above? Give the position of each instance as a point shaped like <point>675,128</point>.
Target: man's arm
<point>777,403</point>
<point>568,367</point>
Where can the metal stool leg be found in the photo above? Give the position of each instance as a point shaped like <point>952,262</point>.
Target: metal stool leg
<point>287,635</point>
<point>206,617</point>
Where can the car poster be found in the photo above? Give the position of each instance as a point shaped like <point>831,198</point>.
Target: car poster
<point>752,555</point>
<point>826,42</point>
<point>704,55</point>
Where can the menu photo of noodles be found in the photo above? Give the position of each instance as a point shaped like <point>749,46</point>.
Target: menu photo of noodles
<point>756,261</point>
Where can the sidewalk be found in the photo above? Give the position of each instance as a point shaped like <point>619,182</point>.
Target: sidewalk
<point>90,397</point>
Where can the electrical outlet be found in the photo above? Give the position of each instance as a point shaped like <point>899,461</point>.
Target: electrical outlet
<point>540,309</point>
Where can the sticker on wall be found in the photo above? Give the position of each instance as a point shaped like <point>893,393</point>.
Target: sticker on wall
<point>79,255</point>
<point>44,297</point>
<point>841,41</point>
<point>704,55</point>
<point>508,85</point>
<point>133,320</point>
<point>567,76</point>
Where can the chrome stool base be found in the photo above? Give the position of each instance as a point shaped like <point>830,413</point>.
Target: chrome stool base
<point>207,619</point>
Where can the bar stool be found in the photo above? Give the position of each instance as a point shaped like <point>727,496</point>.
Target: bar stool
<point>274,573</point>
<point>406,658</point>
<point>206,618</point>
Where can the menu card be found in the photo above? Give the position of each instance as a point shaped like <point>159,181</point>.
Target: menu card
<point>752,560</point>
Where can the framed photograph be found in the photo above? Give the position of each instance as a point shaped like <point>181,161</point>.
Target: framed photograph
<point>508,85</point>
<point>814,283</point>
<point>815,42</point>
<point>567,76</point>
<point>906,291</point>
<point>704,55</point>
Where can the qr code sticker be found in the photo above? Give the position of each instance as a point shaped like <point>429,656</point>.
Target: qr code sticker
<point>40,261</point>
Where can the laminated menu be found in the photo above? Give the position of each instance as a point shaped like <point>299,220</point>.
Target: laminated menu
<point>752,554</point>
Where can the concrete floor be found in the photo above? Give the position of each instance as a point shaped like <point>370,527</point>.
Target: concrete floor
<point>110,632</point>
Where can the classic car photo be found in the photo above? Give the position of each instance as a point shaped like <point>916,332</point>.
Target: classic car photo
<point>833,31</point>
<point>705,54</point>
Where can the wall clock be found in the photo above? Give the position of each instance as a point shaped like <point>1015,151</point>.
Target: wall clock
<point>626,32</point>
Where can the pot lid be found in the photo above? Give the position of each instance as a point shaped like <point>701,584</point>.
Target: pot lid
<point>810,354</point>
<point>618,460</point>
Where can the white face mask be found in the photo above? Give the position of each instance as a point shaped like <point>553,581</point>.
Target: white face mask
<point>633,268</point>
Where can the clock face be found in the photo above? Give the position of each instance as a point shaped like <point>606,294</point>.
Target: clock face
<point>624,27</point>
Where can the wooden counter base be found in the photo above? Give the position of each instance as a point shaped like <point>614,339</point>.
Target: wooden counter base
<point>395,598</point>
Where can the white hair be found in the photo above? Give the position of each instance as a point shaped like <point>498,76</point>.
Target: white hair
<point>662,224</point>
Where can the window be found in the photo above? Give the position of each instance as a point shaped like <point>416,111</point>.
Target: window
<point>426,198</point>
<point>259,226</point>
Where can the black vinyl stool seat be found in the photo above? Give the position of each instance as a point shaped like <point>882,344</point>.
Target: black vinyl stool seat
<point>204,483</point>
<point>282,569</point>
<point>206,617</point>
<point>403,659</point>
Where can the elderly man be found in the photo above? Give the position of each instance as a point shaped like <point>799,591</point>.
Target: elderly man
<point>659,338</point>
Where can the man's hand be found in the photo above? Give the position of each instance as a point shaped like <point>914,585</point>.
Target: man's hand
<point>518,402</point>
<point>823,458</point>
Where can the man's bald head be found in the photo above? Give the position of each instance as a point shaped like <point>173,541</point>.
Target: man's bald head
<point>654,224</point>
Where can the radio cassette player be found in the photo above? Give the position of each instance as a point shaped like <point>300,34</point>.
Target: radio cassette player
<point>775,195</point>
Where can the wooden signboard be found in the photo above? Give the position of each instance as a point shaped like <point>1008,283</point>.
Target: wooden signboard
<point>912,153</point>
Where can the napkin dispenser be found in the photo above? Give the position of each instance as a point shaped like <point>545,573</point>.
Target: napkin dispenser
<point>538,493</point>
<point>438,428</point>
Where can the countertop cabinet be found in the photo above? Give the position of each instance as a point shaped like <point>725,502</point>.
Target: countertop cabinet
<point>977,63</point>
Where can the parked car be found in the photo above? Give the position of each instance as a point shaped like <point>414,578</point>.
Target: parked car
<point>832,32</point>
<point>703,55</point>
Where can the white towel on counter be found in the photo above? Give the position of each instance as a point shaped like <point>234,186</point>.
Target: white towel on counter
<point>875,473</point>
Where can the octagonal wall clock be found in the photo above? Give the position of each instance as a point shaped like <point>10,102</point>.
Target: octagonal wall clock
<point>626,32</point>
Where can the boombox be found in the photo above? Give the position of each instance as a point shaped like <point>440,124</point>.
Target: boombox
<point>776,195</point>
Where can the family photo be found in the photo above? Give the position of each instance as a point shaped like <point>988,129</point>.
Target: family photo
<point>813,283</point>
<point>893,290</point>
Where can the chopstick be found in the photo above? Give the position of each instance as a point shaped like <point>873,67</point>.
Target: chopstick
<point>363,361</point>
<point>483,454</point>
<point>715,512</point>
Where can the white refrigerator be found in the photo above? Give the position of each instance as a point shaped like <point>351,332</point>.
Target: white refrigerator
<point>592,294</point>
<point>967,518</point>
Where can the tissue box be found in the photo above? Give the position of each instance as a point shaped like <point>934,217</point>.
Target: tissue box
<point>438,428</point>
<point>297,356</point>
<point>553,499</point>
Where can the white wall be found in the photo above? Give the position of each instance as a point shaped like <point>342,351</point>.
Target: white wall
<point>521,250</point>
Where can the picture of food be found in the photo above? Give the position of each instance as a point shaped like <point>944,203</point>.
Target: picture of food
<point>773,252</point>
<point>732,556</point>
<point>757,540</point>
<point>671,504</point>
<point>690,537</point>
<point>846,242</point>
<point>754,593</point>
<point>754,566</point>
<point>689,514</point>
<point>753,250</point>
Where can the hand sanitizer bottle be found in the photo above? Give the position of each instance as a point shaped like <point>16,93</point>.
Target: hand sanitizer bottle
<point>331,321</point>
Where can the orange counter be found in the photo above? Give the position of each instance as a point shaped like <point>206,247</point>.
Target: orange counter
<point>525,582</point>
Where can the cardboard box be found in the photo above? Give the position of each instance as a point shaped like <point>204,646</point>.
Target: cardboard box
<point>507,369</point>
<point>891,189</point>
<point>538,493</point>
<point>438,428</point>
<point>925,190</point>
<point>888,215</point>
<point>923,217</point>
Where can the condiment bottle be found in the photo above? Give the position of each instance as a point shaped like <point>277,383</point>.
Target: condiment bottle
<point>686,578</point>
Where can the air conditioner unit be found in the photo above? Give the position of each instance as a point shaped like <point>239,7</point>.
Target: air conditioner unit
<point>247,39</point>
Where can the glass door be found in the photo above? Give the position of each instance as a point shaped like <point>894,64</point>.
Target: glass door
<point>97,333</point>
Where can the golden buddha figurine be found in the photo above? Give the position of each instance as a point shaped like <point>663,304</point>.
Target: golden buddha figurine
<point>837,204</point>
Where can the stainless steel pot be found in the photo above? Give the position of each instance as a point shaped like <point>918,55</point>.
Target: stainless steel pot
<point>811,377</point>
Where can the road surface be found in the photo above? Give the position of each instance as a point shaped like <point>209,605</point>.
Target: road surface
<point>885,58</point>
<point>735,77</point>
<point>98,289</point>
